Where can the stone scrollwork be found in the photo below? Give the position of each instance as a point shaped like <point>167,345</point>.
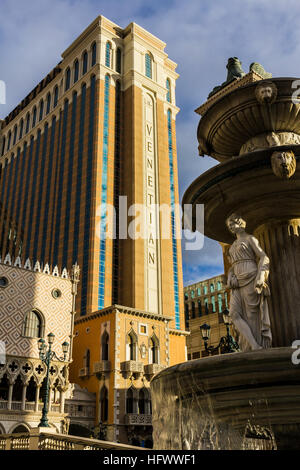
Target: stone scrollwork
<point>266,92</point>
<point>270,139</point>
<point>283,164</point>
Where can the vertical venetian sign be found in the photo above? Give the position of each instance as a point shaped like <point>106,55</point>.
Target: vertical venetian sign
<point>150,200</point>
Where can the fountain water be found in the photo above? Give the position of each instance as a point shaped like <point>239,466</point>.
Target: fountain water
<point>245,400</point>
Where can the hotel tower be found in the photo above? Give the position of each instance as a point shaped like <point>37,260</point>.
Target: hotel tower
<point>98,132</point>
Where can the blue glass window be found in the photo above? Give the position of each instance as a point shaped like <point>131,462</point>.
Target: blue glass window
<point>108,54</point>
<point>55,96</point>
<point>68,79</point>
<point>84,62</point>
<point>94,52</point>
<point>76,70</point>
<point>148,65</point>
<point>168,86</point>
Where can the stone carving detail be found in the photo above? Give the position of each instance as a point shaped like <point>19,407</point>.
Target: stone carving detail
<point>266,92</point>
<point>248,283</point>
<point>283,164</point>
<point>258,68</point>
<point>270,139</point>
<point>235,71</point>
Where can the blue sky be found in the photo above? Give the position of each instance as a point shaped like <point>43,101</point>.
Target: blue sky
<point>200,36</point>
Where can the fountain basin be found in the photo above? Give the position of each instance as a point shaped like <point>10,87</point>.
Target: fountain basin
<point>210,403</point>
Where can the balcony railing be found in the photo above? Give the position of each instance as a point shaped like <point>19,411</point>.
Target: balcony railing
<point>134,367</point>
<point>29,406</point>
<point>101,367</point>
<point>138,419</point>
<point>152,369</point>
<point>37,440</point>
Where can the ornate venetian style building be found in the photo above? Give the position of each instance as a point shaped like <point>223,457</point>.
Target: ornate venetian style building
<point>34,301</point>
<point>99,132</point>
<point>204,302</point>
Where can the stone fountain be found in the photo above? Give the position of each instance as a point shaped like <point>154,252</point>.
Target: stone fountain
<point>250,399</point>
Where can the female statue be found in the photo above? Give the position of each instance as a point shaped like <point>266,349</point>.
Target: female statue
<point>247,281</point>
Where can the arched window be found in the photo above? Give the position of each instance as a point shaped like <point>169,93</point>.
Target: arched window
<point>168,86</point>
<point>76,70</point>
<point>34,117</point>
<point>220,303</point>
<point>67,79</point>
<point>108,54</point>
<point>104,404</point>
<point>48,100</point>
<point>104,346</point>
<point>55,100</point>
<point>192,294</point>
<point>87,359</point>
<point>154,350</point>
<point>27,123</point>
<point>41,110</point>
<point>21,129</point>
<point>94,53</point>
<point>15,134</point>
<point>212,288</point>
<point>219,285</point>
<point>148,65</point>
<point>84,62</point>
<point>119,60</point>
<point>199,308</point>
<point>205,290</point>
<point>142,402</point>
<point>130,400</point>
<point>131,351</point>
<point>8,140</point>
<point>206,306</point>
<point>33,325</point>
<point>198,291</point>
<point>226,300</point>
<point>213,301</point>
<point>193,310</point>
<point>3,146</point>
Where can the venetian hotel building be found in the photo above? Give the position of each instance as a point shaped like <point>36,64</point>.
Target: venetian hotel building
<point>99,126</point>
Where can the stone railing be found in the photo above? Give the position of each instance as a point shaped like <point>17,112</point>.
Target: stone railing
<point>138,419</point>
<point>29,406</point>
<point>40,439</point>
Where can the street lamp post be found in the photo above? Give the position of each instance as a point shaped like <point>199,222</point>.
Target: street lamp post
<point>227,343</point>
<point>46,357</point>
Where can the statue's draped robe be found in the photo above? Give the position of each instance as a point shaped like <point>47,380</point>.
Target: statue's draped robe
<point>245,302</point>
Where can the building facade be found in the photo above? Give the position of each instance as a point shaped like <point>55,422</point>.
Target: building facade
<point>34,301</point>
<point>89,175</point>
<point>204,302</point>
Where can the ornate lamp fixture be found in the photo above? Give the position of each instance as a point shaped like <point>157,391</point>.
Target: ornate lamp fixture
<point>227,343</point>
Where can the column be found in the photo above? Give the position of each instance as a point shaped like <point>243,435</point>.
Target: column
<point>280,239</point>
<point>24,397</point>
<point>37,397</point>
<point>62,401</point>
<point>10,392</point>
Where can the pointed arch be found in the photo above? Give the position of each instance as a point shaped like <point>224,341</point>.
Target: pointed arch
<point>154,349</point>
<point>103,404</point>
<point>105,346</point>
<point>131,346</point>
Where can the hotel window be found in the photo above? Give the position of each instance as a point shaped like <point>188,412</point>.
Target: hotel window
<point>148,65</point>
<point>168,86</point>
<point>104,346</point>
<point>213,301</point>
<point>212,288</point>
<point>199,308</point>
<point>15,134</point>
<point>108,54</point>
<point>198,291</point>
<point>21,129</point>
<point>68,79</point>
<point>94,52</point>
<point>205,290</point>
<point>186,296</point>
<point>41,110</point>
<point>76,70</point>
<point>154,350</point>
<point>55,100</point>
<point>142,402</point>
<point>119,60</point>
<point>220,303</point>
<point>48,103</point>
<point>33,325</point>
<point>27,123</point>
<point>84,62</point>
<point>34,117</point>
<point>131,346</point>
<point>206,306</point>
<point>8,140</point>
<point>87,360</point>
<point>3,146</point>
<point>219,285</point>
<point>104,404</point>
<point>193,310</point>
<point>192,294</point>
<point>130,400</point>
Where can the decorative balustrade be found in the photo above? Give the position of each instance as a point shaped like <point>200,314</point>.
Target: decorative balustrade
<point>152,369</point>
<point>74,411</point>
<point>29,406</point>
<point>133,367</point>
<point>138,419</point>
<point>49,440</point>
<point>102,367</point>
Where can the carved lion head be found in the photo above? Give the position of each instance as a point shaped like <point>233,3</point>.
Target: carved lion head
<point>283,164</point>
